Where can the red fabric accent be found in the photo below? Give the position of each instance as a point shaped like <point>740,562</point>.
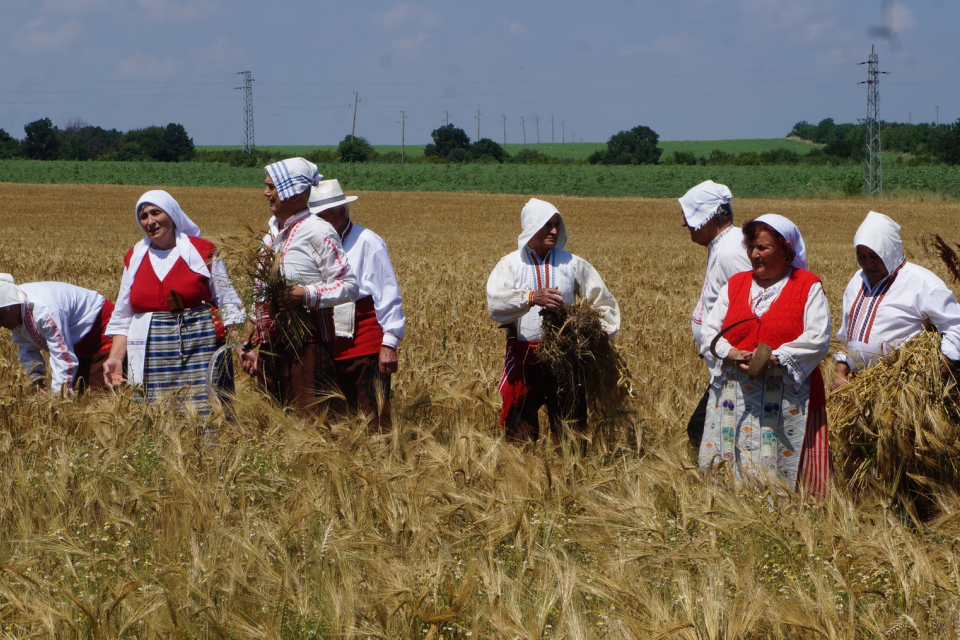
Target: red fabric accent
<point>95,342</point>
<point>367,333</point>
<point>149,293</point>
<point>782,322</point>
<point>267,334</point>
<point>513,389</point>
<point>816,465</point>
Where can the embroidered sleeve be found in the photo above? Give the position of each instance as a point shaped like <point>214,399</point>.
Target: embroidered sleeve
<point>711,327</point>
<point>224,295</point>
<point>337,282</point>
<point>63,362</point>
<point>801,356</point>
<point>506,302</point>
<point>591,287</point>
<point>939,305</point>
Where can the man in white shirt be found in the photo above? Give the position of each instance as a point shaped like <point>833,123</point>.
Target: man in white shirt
<point>66,321</point>
<point>312,257</point>
<point>708,216</point>
<point>890,300</point>
<point>369,330</point>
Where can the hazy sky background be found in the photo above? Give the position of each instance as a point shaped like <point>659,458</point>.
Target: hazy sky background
<point>689,69</point>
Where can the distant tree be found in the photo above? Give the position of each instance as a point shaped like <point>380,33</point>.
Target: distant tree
<point>684,157</point>
<point>636,146</point>
<point>42,141</point>
<point>948,144</point>
<point>9,146</point>
<point>178,145</point>
<point>486,150</point>
<point>163,144</point>
<point>446,139</point>
<point>355,149</point>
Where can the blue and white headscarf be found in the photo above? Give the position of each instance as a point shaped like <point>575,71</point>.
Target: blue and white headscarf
<point>292,176</point>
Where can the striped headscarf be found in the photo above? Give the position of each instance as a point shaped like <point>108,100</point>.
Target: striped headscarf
<point>292,176</point>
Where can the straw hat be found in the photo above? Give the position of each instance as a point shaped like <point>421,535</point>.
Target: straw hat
<point>327,195</point>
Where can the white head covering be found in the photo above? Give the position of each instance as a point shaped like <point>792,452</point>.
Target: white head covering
<point>184,227</point>
<point>535,214</point>
<point>791,234</point>
<point>10,293</point>
<point>700,204</point>
<point>882,235</point>
<point>292,176</point>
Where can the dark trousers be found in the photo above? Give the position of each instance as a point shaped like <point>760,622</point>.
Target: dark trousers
<point>303,380</point>
<point>90,373</point>
<point>364,389</point>
<point>521,408</point>
<point>697,420</point>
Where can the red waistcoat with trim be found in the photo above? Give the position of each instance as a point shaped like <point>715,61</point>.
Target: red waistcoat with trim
<point>783,321</point>
<point>149,293</point>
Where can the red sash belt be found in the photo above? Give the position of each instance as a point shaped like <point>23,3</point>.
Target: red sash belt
<point>367,333</point>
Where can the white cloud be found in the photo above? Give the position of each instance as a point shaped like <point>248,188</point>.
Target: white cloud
<point>143,67</point>
<point>221,51</point>
<point>177,10</point>
<point>411,42</point>
<point>405,15</point>
<point>39,36</point>
<point>898,17</point>
<point>515,28</point>
<point>81,6</point>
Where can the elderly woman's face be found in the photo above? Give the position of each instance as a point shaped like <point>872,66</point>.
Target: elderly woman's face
<point>158,226</point>
<point>546,238</point>
<point>872,265</point>
<point>768,259</point>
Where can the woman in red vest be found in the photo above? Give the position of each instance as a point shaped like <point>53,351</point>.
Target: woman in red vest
<point>173,308</point>
<point>773,425</point>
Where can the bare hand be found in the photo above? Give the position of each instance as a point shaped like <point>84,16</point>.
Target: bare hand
<point>113,372</point>
<point>737,357</point>
<point>548,297</point>
<point>289,298</point>
<point>947,366</point>
<point>249,362</point>
<point>388,361</point>
<point>772,362</point>
<point>841,375</point>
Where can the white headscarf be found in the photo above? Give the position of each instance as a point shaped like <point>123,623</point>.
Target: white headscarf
<point>184,227</point>
<point>535,214</point>
<point>882,235</point>
<point>10,293</point>
<point>791,234</point>
<point>700,204</point>
<point>292,176</point>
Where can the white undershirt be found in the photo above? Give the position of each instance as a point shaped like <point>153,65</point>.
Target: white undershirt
<point>163,261</point>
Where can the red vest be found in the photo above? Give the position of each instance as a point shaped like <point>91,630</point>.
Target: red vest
<point>367,333</point>
<point>149,293</point>
<point>783,321</point>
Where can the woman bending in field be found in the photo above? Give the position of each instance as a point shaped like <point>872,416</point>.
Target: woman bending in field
<point>174,306</point>
<point>540,274</point>
<point>891,300</point>
<point>773,425</point>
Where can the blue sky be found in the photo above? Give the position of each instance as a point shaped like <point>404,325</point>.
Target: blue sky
<point>689,69</point>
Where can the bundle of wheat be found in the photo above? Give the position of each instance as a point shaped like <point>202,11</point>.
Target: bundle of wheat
<point>265,281</point>
<point>896,425</point>
<point>578,353</point>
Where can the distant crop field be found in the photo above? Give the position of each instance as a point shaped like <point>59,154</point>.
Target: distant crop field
<point>802,181</point>
<point>574,150</point>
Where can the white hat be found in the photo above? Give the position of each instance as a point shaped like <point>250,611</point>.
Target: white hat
<point>701,203</point>
<point>327,194</point>
<point>881,235</point>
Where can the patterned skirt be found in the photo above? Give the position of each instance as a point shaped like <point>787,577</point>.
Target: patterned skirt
<point>769,429</point>
<point>179,349</point>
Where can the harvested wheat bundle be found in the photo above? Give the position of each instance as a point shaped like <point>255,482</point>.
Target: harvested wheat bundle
<point>577,352</point>
<point>260,265</point>
<point>895,427</point>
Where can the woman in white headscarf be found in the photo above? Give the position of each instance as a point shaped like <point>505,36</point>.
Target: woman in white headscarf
<point>890,300</point>
<point>769,421</point>
<point>540,274</point>
<point>174,305</point>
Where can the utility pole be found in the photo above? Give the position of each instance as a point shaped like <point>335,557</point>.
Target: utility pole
<point>447,114</point>
<point>909,117</point>
<point>938,115</point>
<point>356,99</point>
<point>478,124</point>
<point>403,136</point>
<point>524,127</point>
<point>537,120</point>
<point>248,145</point>
<point>504,132</point>
<point>552,139</point>
<point>563,131</point>
<point>873,164</point>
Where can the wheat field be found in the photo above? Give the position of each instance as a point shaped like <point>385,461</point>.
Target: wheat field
<point>119,520</point>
